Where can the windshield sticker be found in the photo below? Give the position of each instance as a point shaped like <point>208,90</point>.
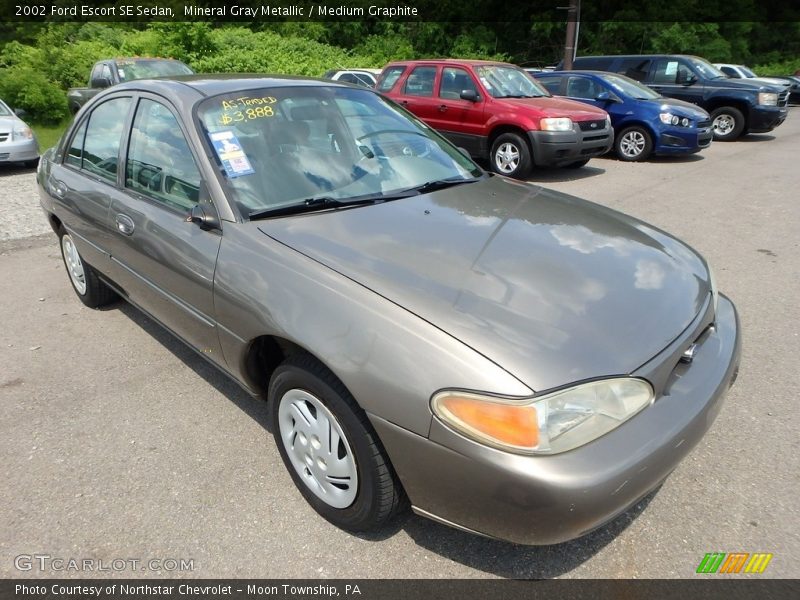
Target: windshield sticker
<point>229,150</point>
<point>121,73</point>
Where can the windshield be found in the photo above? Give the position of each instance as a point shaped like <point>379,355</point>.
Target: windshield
<point>629,87</point>
<point>4,110</point>
<point>509,82</point>
<point>706,69</point>
<point>129,70</point>
<point>285,146</point>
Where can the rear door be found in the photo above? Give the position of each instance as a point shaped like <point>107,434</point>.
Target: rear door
<point>164,262</point>
<point>416,91</point>
<point>462,121</point>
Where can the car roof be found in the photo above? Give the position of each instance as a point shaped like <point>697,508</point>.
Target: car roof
<point>454,61</point>
<point>575,72</point>
<point>639,56</point>
<point>186,90</point>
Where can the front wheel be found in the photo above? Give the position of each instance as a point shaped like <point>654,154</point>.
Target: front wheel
<point>330,449</point>
<point>87,285</point>
<point>633,144</point>
<point>727,123</point>
<point>510,156</point>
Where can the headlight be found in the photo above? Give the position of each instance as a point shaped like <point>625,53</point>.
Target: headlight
<point>670,119</point>
<point>22,132</point>
<point>556,124</point>
<point>768,99</point>
<point>549,424</point>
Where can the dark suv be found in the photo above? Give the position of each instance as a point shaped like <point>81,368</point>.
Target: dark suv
<point>736,106</point>
<point>497,111</point>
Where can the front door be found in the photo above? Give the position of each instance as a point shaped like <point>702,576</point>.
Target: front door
<point>462,121</point>
<point>165,262</point>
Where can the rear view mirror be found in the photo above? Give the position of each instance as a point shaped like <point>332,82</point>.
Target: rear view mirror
<point>20,112</point>
<point>686,78</point>
<point>470,95</point>
<point>204,214</point>
<point>603,97</point>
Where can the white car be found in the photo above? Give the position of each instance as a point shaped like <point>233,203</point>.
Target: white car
<point>742,72</point>
<point>17,140</point>
<point>363,77</point>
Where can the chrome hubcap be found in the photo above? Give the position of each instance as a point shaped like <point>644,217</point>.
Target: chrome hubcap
<point>507,158</point>
<point>74,264</point>
<point>632,144</point>
<point>724,124</point>
<point>318,448</point>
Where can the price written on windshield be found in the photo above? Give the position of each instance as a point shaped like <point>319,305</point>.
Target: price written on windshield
<point>246,108</point>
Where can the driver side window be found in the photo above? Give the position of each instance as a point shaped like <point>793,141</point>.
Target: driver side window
<point>160,164</point>
<point>671,72</point>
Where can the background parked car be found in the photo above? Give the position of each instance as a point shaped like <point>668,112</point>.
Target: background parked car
<point>498,111</point>
<point>362,77</point>
<point>737,106</point>
<point>17,141</point>
<point>106,73</point>
<point>743,72</point>
<point>644,121</point>
<point>794,86</point>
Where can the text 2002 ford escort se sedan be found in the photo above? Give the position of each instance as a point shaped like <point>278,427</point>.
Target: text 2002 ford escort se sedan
<point>514,361</point>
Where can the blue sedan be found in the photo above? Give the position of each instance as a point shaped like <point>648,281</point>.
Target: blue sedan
<point>645,123</point>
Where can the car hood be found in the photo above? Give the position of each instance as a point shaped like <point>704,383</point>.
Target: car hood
<point>8,123</point>
<point>680,108</point>
<point>555,107</point>
<point>750,85</point>
<point>552,288</point>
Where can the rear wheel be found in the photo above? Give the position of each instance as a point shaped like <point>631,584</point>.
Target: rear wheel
<point>87,285</point>
<point>330,449</point>
<point>633,144</point>
<point>511,156</point>
<point>727,123</point>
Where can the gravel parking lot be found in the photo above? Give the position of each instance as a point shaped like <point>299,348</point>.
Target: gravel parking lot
<point>119,442</point>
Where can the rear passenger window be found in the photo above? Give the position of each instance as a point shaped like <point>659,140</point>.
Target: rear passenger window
<point>75,152</point>
<point>420,82</point>
<point>103,137</point>
<point>390,77</point>
<point>635,68</point>
<point>160,164</point>
<point>551,84</point>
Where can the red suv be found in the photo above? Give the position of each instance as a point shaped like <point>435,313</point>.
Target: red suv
<point>497,110</point>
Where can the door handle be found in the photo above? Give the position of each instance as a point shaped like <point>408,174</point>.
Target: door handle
<point>442,107</point>
<point>403,102</point>
<point>125,224</point>
<point>60,188</point>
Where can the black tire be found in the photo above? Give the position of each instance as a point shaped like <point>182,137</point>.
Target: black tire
<point>379,496</point>
<point>633,144</point>
<point>577,164</point>
<point>518,168</point>
<point>93,292</point>
<point>727,123</point>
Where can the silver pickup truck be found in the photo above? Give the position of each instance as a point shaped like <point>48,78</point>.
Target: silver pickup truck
<point>106,73</point>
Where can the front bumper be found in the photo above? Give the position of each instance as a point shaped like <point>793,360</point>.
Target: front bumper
<point>19,151</point>
<point>551,499</point>
<point>766,118</point>
<point>682,140</point>
<point>560,148</point>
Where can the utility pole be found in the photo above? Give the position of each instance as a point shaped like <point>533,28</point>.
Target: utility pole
<point>573,21</point>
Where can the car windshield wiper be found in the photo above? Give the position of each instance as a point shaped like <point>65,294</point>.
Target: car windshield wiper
<point>312,204</point>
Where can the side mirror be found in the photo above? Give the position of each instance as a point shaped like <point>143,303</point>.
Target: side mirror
<point>687,79</point>
<point>20,112</point>
<point>603,97</point>
<point>100,82</point>
<point>470,95</point>
<point>203,213</point>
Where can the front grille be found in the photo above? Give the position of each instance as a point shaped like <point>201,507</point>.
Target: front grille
<point>592,125</point>
<point>702,124</point>
<point>3,137</point>
<point>783,98</point>
<point>595,138</point>
<point>4,155</point>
